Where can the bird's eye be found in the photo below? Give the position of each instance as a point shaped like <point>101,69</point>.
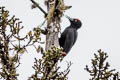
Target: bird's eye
<point>77,20</point>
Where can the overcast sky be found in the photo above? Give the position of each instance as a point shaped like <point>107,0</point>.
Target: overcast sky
<point>100,30</point>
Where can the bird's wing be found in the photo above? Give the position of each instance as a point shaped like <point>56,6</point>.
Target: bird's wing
<point>69,40</point>
<point>61,41</point>
<point>75,37</point>
<point>63,37</point>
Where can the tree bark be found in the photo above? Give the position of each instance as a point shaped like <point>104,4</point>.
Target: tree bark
<point>52,28</point>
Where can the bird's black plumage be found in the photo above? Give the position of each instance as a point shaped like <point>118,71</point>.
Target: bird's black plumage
<point>69,35</point>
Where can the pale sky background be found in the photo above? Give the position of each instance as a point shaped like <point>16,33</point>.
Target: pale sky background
<point>100,30</point>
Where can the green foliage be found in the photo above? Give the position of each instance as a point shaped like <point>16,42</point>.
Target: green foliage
<point>11,44</point>
<point>47,69</point>
<point>100,68</point>
<point>9,63</point>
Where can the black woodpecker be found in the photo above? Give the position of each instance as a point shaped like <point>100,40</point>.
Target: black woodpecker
<point>69,35</point>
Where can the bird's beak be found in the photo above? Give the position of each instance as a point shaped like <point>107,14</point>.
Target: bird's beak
<point>69,18</point>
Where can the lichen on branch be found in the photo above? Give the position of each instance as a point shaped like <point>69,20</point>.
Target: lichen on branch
<point>13,45</point>
<point>47,69</point>
<point>100,68</point>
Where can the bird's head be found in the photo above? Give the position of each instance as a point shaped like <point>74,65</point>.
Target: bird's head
<point>75,22</point>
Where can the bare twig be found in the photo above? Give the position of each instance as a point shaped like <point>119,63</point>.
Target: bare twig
<point>36,4</point>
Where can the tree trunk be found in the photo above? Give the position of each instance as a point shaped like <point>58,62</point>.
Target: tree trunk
<point>52,27</point>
